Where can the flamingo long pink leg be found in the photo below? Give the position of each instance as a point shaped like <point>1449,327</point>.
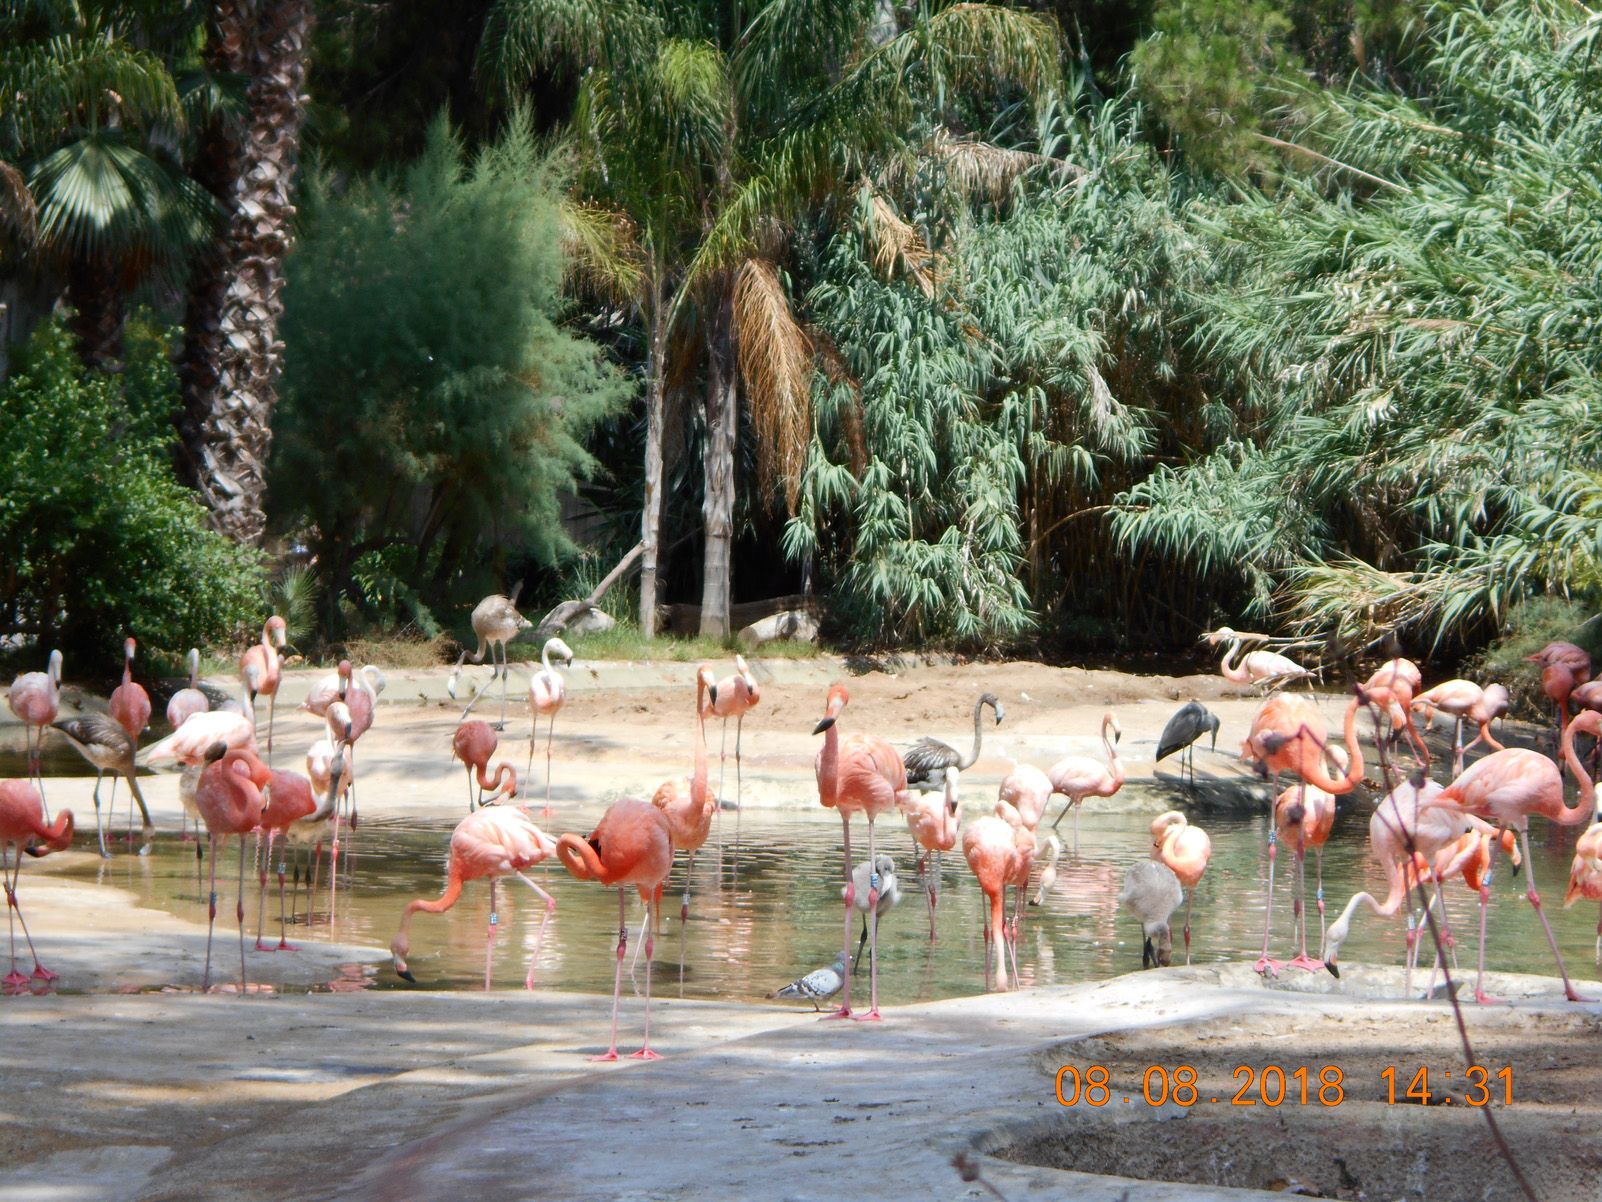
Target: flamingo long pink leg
<point>211,910</point>
<point>617,975</point>
<point>684,916</point>
<point>1265,964</point>
<point>489,936</point>
<point>645,1052</point>
<point>1302,959</point>
<point>14,980</point>
<point>845,948</point>
<point>539,938</point>
<point>239,912</point>
<point>261,897</point>
<point>1535,900</point>
<point>283,934</point>
<point>1190,900</point>
<point>550,739</point>
<point>873,930</point>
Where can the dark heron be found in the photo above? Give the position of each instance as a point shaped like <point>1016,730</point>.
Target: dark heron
<point>1184,729</point>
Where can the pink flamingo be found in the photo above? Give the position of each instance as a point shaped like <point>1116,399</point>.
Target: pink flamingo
<point>1289,734</point>
<point>1304,815</point>
<point>863,775</point>
<point>1506,788</point>
<point>1402,680</point>
<point>130,706</point>
<point>1464,699</point>
<point>688,805</point>
<point>1256,667</point>
<point>491,843</point>
<point>1079,776</point>
<point>1186,850</point>
<point>1028,791</point>
<point>332,687</point>
<point>631,845</point>
<point>189,699</point>
<point>999,853</point>
<point>324,759</point>
<point>289,800</point>
<point>733,697</point>
<point>200,732</point>
<point>23,829</point>
<point>35,698</point>
<point>1564,667</point>
<point>361,699</point>
<point>547,692</point>
<point>261,669</point>
<point>229,798</point>
<point>933,821</point>
<point>474,743</point>
<point>1585,875</point>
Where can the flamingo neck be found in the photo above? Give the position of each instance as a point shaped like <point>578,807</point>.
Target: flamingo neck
<point>1316,774</point>
<point>1586,805</point>
<point>829,765</point>
<point>978,737</point>
<point>1114,764</point>
<point>1230,671</point>
<point>194,668</point>
<point>545,660</point>
<point>580,858</point>
<point>700,795</point>
<point>453,891</point>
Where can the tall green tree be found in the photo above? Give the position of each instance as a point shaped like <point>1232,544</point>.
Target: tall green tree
<point>751,122</point>
<point>433,408</point>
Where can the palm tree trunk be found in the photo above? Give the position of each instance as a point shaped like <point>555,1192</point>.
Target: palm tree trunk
<point>717,506</point>
<point>94,290</point>
<point>232,356</point>
<point>655,417</point>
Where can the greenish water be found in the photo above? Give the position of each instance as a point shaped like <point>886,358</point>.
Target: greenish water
<point>767,908</point>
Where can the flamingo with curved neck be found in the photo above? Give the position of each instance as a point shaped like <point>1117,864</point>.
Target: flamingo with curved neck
<point>688,805</point>
<point>547,693</point>
<point>23,828</point>
<point>35,698</point>
<point>1079,776</point>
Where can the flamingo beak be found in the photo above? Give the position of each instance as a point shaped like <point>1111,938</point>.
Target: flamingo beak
<point>1334,969</point>
<point>403,972</point>
<point>823,725</point>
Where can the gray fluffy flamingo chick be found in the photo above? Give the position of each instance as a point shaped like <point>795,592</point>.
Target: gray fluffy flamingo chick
<point>817,986</point>
<point>1152,893</point>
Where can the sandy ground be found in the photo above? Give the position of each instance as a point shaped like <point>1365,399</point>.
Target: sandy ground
<point>177,1095</point>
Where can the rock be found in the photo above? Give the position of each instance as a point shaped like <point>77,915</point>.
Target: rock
<point>794,624</point>
<point>592,621</point>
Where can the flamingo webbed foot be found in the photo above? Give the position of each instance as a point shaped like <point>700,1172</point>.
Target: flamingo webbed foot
<point>842,1012</point>
<point>645,1054</point>
<point>605,1057</point>
<point>41,973</point>
<point>1575,996</point>
<point>286,947</point>
<point>872,1016</point>
<point>1486,999</point>
<point>1307,962</point>
<point>1267,967</point>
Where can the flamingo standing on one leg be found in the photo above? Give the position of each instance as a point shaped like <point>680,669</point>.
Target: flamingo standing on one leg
<point>496,622</point>
<point>1079,776</point>
<point>200,732</point>
<point>631,845</point>
<point>488,844</point>
<point>289,800</point>
<point>1463,699</point>
<point>547,692</point>
<point>1186,849</point>
<point>23,829</point>
<point>129,703</point>
<point>107,745</point>
<point>1304,815</point>
<point>1506,788</point>
<point>230,801</point>
<point>733,697</point>
<point>1256,667</point>
<point>329,772</point>
<point>933,822</point>
<point>35,698</point>
<point>1289,734</point>
<point>261,668</point>
<point>688,805</point>
<point>993,848</point>
<point>857,775</point>
<point>361,702</point>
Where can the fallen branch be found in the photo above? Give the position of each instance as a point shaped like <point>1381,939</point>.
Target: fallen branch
<point>556,621</point>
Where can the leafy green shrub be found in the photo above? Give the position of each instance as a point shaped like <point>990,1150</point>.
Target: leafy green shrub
<point>100,539</point>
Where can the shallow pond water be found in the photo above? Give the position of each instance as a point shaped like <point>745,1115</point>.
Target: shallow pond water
<point>767,907</point>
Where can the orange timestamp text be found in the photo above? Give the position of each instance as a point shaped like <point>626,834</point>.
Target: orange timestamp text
<point>1304,1085</point>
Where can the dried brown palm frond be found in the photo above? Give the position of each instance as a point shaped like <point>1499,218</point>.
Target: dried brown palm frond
<point>775,358</point>
<point>838,373</point>
<point>896,244</point>
<point>18,214</point>
<point>602,250</point>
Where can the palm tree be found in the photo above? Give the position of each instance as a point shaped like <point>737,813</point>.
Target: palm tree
<point>93,132</point>
<point>231,361</point>
<point>751,123</point>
